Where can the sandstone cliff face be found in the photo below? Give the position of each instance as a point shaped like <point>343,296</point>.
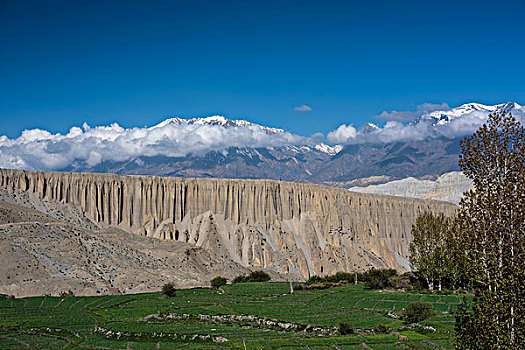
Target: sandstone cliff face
<point>292,228</point>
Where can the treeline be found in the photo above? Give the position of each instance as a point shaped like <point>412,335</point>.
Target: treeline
<point>373,279</point>
<point>482,248</point>
<point>437,253</point>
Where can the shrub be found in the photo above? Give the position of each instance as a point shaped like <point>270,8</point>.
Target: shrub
<point>259,276</point>
<point>169,290</point>
<point>402,281</point>
<point>240,278</point>
<point>218,282</point>
<point>417,312</point>
<point>378,278</point>
<point>380,328</point>
<point>341,277</point>
<point>255,276</point>
<point>337,278</point>
<point>69,293</point>
<point>345,328</point>
<point>315,279</point>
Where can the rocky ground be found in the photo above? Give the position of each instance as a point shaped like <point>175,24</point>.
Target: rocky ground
<point>42,255</point>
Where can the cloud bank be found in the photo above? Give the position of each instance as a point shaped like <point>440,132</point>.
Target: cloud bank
<point>460,121</point>
<point>86,146</point>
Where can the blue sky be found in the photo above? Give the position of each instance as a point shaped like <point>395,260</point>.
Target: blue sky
<point>136,63</point>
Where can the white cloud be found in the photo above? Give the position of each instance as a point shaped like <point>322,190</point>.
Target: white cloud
<point>460,121</point>
<point>303,108</point>
<point>343,134</point>
<point>89,146</point>
<point>39,149</point>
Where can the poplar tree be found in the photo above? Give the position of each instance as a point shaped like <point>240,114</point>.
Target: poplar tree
<point>428,250</point>
<point>491,220</point>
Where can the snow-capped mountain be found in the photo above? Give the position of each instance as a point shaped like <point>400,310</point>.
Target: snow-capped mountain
<point>478,109</point>
<point>369,128</point>
<point>217,120</point>
<point>220,147</point>
<point>331,150</point>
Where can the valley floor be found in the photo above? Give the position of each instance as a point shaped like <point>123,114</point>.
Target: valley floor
<point>237,316</point>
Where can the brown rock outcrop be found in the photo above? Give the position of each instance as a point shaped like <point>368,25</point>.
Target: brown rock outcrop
<point>294,228</point>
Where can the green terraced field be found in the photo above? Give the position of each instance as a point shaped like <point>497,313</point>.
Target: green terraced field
<point>117,322</point>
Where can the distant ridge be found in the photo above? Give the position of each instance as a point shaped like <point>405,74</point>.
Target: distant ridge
<point>447,187</point>
<point>216,146</point>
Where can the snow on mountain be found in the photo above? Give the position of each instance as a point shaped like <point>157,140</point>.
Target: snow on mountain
<point>218,146</point>
<point>369,128</point>
<point>331,150</point>
<point>216,120</point>
<point>445,117</point>
<point>87,147</point>
<point>448,123</point>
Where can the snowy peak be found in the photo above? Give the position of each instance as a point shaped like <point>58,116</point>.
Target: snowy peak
<point>445,116</point>
<point>216,120</point>
<point>331,150</point>
<point>368,128</point>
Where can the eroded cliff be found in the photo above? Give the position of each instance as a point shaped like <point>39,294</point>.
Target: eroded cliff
<point>296,229</point>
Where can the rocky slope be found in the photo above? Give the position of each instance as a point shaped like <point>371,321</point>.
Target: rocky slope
<point>290,228</point>
<point>41,255</point>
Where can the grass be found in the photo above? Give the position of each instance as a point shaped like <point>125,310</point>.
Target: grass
<point>115,322</point>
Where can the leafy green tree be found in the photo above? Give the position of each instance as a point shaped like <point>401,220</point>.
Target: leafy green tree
<point>377,278</point>
<point>428,250</point>
<point>254,276</point>
<point>218,282</point>
<point>417,311</point>
<point>169,290</point>
<point>492,221</point>
<point>259,276</point>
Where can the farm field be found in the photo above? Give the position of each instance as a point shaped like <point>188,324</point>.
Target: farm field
<point>251,315</point>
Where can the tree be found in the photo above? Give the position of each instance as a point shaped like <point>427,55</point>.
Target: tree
<point>254,276</point>
<point>491,220</point>
<point>428,250</point>
<point>417,311</point>
<point>259,276</point>
<point>169,290</point>
<point>218,282</point>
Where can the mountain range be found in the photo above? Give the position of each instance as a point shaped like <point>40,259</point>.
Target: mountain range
<point>216,146</point>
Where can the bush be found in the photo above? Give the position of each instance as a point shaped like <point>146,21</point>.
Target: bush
<point>417,312</point>
<point>334,279</point>
<point>169,290</point>
<point>402,281</point>
<point>255,276</point>
<point>218,282</point>
<point>380,328</point>
<point>340,277</point>
<point>377,278</point>
<point>67,294</point>
<point>259,276</point>
<point>240,279</point>
<point>315,279</point>
<point>345,328</point>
